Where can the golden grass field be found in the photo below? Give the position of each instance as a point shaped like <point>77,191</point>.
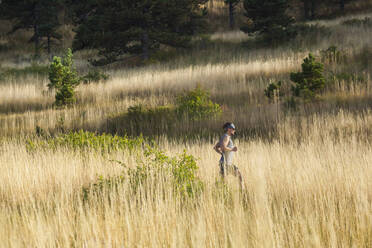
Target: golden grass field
<point>308,180</point>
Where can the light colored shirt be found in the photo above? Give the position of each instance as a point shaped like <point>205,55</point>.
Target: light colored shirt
<point>227,156</point>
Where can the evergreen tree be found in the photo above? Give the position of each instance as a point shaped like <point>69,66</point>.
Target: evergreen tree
<point>268,19</point>
<point>232,6</point>
<point>39,15</point>
<point>310,81</point>
<point>127,27</point>
<point>63,78</point>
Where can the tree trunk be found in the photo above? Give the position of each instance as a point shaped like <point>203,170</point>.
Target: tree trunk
<point>306,9</point>
<point>145,45</point>
<point>36,28</point>
<point>342,5</point>
<point>48,44</point>
<point>36,37</point>
<point>313,5</point>
<point>231,15</point>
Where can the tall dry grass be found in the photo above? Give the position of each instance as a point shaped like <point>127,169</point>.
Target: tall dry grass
<point>310,193</point>
<point>307,186</point>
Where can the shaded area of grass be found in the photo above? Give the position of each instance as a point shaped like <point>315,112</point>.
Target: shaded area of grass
<point>33,69</point>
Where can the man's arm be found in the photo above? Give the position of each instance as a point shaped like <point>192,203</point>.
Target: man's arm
<point>224,145</point>
<point>217,148</point>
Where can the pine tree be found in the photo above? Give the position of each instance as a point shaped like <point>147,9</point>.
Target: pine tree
<point>63,78</point>
<point>127,27</point>
<point>39,15</point>
<point>268,18</point>
<point>232,7</point>
<point>310,81</point>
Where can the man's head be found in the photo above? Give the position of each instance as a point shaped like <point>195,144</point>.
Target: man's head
<point>229,128</point>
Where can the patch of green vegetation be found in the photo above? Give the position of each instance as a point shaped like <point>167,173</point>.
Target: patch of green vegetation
<point>310,81</point>
<point>63,77</point>
<point>194,106</point>
<point>197,105</point>
<point>83,140</point>
<point>140,119</point>
<point>273,91</point>
<point>153,168</point>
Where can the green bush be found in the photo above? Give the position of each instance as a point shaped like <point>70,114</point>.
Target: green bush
<point>140,119</point>
<point>197,105</point>
<point>273,91</point>
<point>179,170</point>
<point>139,113</point>
<point>63,78</point>
<point>83,140</point>
<point>310,81</point>
<point>94,77</point>
<point>153,169</point>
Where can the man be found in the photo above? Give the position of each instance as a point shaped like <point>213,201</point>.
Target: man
<point>226,148</point>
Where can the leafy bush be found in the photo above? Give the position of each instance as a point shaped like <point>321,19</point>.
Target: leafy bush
<point>94,77</point>
<point>310,81</point>
<point>191,108</point>
<point>83,140</point>
<point>154,169</point>
<point>139,113</point>
<point>103,185</point>
<point>180,171</point>
<point>63,78</point>
<point>273,91</point>
<point>197,105</point>
<point>358,22</point>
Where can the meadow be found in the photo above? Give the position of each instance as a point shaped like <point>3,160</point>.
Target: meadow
<point>306,165</point>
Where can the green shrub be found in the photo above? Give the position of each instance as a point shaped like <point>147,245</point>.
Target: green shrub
<point>83,140</point>
<point>140,119</point>
<point>103,185</point>
<point>179,170</point>
<point>65,95</point>
<point>273,91</point>
<point>63,78</point>
<point>197,105</point>
<point>140,113</point>
<point>94,77</point>
<point>153,169</point>
<point>310,81</point>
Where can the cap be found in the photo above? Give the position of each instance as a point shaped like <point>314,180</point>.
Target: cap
<point>231,126</point>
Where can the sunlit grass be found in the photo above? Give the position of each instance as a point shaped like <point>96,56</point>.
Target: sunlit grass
<point>306,170</point>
